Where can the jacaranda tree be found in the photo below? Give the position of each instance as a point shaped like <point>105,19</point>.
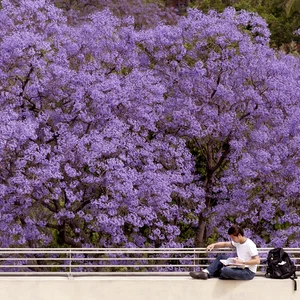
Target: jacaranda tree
<point>226,90</point>
<point>82,161</point>
<point>112,135</point>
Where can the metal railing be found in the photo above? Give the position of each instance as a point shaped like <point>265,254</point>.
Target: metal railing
<point>115,261</point>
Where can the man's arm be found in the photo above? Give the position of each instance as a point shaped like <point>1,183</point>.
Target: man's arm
<point>255,260</point>
<point>219,245</point>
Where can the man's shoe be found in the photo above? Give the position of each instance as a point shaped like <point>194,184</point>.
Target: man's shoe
<point>199,275</point>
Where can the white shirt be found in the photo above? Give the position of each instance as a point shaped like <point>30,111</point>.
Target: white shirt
<point>246,251</point>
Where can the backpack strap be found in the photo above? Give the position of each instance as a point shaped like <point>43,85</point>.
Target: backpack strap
<point>281,253</point>
<point>295,282</point>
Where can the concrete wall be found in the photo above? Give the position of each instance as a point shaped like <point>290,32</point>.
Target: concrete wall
<point>144,288</point>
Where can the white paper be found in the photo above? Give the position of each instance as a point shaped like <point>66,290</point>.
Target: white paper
<point>230,262</point>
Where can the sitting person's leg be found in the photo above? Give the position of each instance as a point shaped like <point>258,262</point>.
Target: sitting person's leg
<point>213,270</point>
<point>235,273</point>
<point>215,267</point>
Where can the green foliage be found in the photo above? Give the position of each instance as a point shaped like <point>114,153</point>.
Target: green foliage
<point>283,17</point>
<point>200,159</point>
<point>213,238</point>
<point>187,231</point>
<point>292,6</point>
<point>206,5</point>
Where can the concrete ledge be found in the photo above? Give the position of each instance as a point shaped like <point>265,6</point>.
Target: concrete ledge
<point>144,288</point>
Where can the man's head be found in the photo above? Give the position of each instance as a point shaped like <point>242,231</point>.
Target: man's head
<point>236,233</point>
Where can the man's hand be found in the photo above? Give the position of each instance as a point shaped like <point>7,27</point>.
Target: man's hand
<point>218,245</point>
<point>210,247</point>
<point>238,261</point>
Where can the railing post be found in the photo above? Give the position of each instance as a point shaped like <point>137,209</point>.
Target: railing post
<point>194,260</point>
<point>70,262</point>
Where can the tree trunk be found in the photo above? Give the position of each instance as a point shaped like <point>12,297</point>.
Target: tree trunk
<point>213,163</point>
<point>200,237</point>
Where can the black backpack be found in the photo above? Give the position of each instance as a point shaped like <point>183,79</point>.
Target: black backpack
<point>280,266</point>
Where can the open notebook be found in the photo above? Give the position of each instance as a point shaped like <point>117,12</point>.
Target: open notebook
<point>229,262</point>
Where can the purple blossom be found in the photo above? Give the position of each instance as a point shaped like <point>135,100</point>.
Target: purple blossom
<point>118,134</point>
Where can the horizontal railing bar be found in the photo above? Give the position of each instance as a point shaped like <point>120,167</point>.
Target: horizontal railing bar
<point>104,250</point>
<point>111,258</point>
<point>94,266</point>
<point>103,258</point>
<point>115,259</point>
<point>112,251</point>
<point>143,250</point>
<point>68,250</point>
<point>104,266</point>
<point>109,249</point>
<point>94,273</point>
<point>81,274</point>
<point>111,266</point>
<point>192,259</point>
<point>109,253</point>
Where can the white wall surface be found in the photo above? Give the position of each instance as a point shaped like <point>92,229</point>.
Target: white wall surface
<point>144,288</point>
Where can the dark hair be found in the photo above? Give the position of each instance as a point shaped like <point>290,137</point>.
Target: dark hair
<point>235,230</point>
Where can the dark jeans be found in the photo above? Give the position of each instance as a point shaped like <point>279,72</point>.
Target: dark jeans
<point>217,269</point>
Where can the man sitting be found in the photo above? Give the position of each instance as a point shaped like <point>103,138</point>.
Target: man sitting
<point>247,258</point>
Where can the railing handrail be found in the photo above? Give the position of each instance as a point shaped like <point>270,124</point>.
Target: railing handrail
<point>132,249</point>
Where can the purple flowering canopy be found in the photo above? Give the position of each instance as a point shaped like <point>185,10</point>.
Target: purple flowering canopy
<point>114,135</point>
